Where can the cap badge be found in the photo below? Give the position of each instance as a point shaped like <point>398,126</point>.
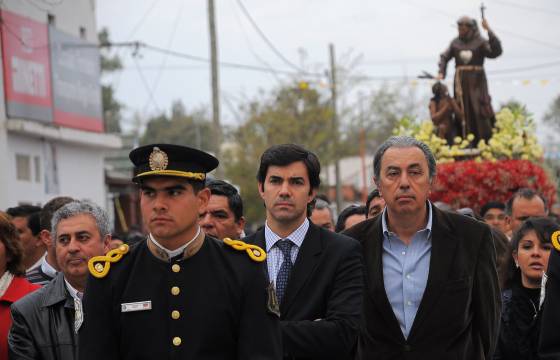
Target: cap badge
<point>158,159</point>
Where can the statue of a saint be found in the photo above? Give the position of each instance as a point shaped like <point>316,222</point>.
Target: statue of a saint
<point>469,50</point>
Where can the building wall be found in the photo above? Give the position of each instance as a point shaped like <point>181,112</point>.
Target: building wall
<point>80,172</point>
<point>69,15</point>
<point>79,161</point>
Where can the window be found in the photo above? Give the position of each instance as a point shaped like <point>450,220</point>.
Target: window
<point>82,33</point>
<point>37,163</point>
<point>23,167</point>
<point>51,19</point>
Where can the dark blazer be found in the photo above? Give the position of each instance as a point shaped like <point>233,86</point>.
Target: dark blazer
<point>549,346</point>
<point>43,324</point>
<point>459,313</point>
<point>321,308</point>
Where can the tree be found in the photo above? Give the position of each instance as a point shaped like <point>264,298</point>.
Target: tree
<point>183,128</point>
<point>111,106</point>
<point>377,114</point>
<point>553,114</point>
<point>289,114</point>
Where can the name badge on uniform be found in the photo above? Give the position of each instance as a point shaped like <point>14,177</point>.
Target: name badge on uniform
<point>136,306</point>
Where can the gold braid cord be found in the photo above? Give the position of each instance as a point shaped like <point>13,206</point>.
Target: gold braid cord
<point>254,251</point>
<point>99,265</point>
<point>556,239</point>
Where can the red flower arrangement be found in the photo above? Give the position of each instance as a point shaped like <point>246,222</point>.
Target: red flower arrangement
<point>472,184</point>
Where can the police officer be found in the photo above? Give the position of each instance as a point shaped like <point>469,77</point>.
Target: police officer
<point>179,294</point>
<point>549,341</point>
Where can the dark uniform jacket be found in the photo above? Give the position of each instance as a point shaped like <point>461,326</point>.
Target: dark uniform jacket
<point>549,346</point>
<point>43,324</point>
<point>212,305</point>
<point>321,308</point>
<point>459,313</point>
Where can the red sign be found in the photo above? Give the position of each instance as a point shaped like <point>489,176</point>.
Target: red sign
<point>27,75</point>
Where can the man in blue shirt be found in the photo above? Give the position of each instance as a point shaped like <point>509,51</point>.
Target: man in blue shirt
<point>430,275</point>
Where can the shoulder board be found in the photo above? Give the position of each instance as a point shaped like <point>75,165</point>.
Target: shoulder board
<point>99,265</point>
<point>555,239</point>
<point>254,251</point>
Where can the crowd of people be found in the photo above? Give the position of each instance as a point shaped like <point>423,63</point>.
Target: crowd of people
<point>398,277</point>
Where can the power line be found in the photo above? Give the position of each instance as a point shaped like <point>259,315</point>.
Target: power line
<point>526,7</point>
<point>251,49</point>
<point>446,14</point>
<point>146,85</point>
<point>266,40</point>
<point>169,44</point>
<point>525,68</point>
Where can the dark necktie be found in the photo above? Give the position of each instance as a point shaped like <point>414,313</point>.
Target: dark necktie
<point>284,273</point>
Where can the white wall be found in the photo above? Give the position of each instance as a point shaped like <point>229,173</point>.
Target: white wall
<point>80,173</point>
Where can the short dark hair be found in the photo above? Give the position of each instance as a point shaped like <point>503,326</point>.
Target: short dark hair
<point>50,208</point>
<point>10,239</point>
<point>23,211</point>
<point>525,193</point>
<point>235,203</point>
<point>346,213</point>
<point>372,195</point>
<point>544,227</point>
<point>286,154</point>
<point>34,223</point>
<point>492,205</point>
<point>403,142</point>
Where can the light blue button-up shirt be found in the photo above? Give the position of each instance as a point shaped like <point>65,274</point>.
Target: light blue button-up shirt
<point>274,257</point>
<point>405,271</point>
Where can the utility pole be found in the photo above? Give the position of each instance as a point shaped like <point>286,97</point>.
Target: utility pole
<point>217,128</point>
<point>335,135</point>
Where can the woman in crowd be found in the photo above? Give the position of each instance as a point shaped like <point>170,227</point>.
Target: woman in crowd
<point>13,284</point>
<point>519,331</point>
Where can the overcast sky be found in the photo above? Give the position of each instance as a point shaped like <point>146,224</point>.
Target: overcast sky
<point>395,39</point>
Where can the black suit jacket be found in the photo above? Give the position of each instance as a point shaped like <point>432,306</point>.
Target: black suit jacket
<point>459,313</point>
<point>321,308</point>
<point>549,347</point>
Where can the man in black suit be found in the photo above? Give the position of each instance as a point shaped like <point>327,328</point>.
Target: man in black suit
<point>431,283</point>
<point>315,275</point>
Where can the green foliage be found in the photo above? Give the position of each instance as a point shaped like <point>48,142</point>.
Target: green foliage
<point>379,113</point>
<point>182,128</point>
<point>552,116</point>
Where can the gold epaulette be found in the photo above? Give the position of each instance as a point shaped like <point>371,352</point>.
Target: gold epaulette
<point>99,265</point>
<point>555,238</point>
<point>254,251</point>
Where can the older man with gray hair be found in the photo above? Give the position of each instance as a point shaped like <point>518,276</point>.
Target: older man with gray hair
<point>45,323</point>
<point>431,274</point>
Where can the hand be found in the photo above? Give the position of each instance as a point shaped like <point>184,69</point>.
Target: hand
<point>439,76</point>
<point>485,25</point>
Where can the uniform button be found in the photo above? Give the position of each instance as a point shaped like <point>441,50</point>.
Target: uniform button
<point>409,303</point>
<point>408,276</point>
<point>175,290</point>
<point>175,315</point>
<point>176,341</point>
<point>176,268</point>
<point>404,253</point>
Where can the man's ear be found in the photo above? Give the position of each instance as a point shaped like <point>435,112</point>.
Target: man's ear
<point>377,186</point>
<point>241,223</point>
<point>203,197</point>
<point>106,243</point>
<point>261,189</point>
<point>45,237</point>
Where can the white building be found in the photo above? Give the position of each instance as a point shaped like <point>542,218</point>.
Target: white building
<point>52,140</point>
